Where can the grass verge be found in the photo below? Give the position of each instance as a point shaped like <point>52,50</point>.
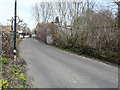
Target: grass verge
<point>105,56</point>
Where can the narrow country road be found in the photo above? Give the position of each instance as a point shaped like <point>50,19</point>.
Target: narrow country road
<point>54,68</point>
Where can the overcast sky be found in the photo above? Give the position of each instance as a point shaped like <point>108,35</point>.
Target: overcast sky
<point>24,10</point>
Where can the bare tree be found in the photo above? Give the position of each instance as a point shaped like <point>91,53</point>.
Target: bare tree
<point>11,21</point>
<point>36,13</point>
<point>43,12</point>
<point>46,11</point>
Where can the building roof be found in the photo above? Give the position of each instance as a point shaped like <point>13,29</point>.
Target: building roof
<point>40,26</point>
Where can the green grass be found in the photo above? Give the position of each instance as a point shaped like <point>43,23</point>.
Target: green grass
<point>2,68</point>
<point>4,60</point>
<point>4,84</point>
<point>17,40</point>
<point>110,57</point>
<point>18,73</point>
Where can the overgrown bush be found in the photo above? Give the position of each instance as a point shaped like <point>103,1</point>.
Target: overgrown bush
<point>4,60</point>
<point>3,84</point>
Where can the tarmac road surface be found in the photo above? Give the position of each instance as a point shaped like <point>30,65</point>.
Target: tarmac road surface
<point>54,68</point>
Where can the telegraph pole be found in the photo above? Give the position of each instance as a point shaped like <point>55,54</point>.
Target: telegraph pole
<point>12,23</point>
<point>119,14</point>
<point>119,29</point>
<point>15,27</point>
<point>119,40</point>
<point>118,3</point>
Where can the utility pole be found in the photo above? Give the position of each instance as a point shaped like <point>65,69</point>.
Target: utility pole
<point>12,23</point>
<point>119,14</point>
<point>119,38</point>
<point>15,28</point>
<point>118,3</point>
<point>118,18</point>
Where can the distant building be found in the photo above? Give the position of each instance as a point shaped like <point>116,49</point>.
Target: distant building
<point>47,32</point>
<point>23,31</point>
<point>5,28</point>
